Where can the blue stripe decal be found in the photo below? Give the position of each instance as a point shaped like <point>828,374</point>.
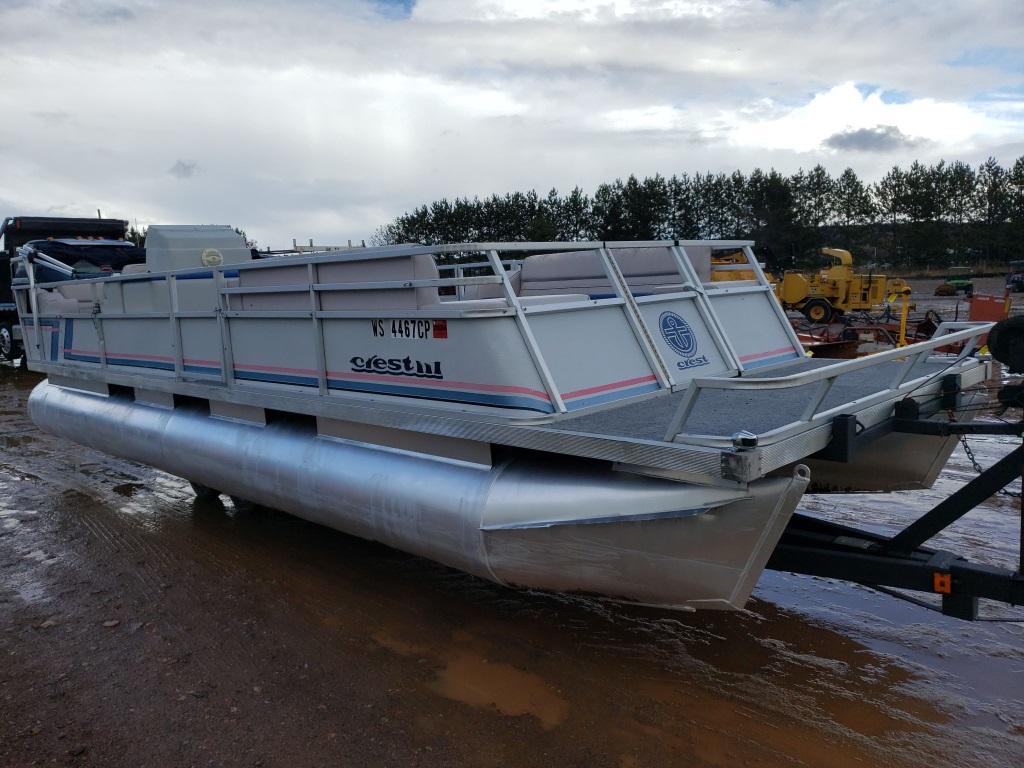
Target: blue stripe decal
<point>480,398</point>
<point>771,360</point>
<point>81,358</point>
<point>201,369</point>
<point>607,397</point>
<point>54,336</point>
<point>505,401</point>
<point>277,378</point>
<point>158,364</point>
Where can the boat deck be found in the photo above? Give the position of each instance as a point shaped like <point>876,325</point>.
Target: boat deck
<point>725,412</point>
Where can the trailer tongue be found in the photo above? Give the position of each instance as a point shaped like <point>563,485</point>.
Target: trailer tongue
<point>818,547</point>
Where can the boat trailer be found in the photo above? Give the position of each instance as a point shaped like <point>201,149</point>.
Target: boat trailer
<point>816,547</point>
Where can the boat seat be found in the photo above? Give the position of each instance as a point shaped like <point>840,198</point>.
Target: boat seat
<point>82,291</point>
<point>647,270</point>
<point>194,295</point>
<point>51,302</point>
<point>134,269</point>
<point>583,271</point>
<point>417,267</point>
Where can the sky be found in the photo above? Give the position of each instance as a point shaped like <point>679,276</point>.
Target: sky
<point>325,119</point>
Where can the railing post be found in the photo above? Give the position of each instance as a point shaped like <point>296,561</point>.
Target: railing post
<point>636,320</point>
<point>223,305</point>
<point>824,387</point>
<point>527,333</point>
<point>179,353</point>
<point>683,411</point>
<point>755,267</point>
<point>33,301</point>
<point>705,308</point>
<point>318,328</point>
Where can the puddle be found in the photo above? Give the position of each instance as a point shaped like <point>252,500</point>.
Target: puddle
<point>474,680</point>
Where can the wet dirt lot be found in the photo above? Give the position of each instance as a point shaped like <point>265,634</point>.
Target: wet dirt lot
<point>141,628</point>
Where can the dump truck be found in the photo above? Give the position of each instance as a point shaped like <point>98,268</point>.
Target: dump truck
<point>18,230</point>
<point>835,289</point>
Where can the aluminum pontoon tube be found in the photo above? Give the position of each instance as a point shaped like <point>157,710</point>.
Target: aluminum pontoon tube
<point>527,521</point>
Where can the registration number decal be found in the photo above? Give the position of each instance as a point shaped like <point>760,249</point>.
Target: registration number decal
<point>410,329</point>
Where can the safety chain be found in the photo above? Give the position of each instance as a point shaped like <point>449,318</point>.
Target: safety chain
<point>978,468</point>
<point>951,414</point>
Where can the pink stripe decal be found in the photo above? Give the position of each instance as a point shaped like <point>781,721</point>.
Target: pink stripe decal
<point>132,356</point>
<point>438,383</point>
<point>197,361</point>
<point>761,355</point>
<point>605,387</point>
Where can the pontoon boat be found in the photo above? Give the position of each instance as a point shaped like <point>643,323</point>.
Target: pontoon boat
<point>602,418</point>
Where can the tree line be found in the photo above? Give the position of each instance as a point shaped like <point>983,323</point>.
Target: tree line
<point>937,215</point>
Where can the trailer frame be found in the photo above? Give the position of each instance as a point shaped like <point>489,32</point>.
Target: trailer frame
<point>816,547</point>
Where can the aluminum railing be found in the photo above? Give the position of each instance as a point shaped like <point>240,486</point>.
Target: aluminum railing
<point>459,270</point>
<point>910,357</point>
<point>689,282</point>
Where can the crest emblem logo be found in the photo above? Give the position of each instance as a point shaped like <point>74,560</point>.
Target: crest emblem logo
<point>678,334</point>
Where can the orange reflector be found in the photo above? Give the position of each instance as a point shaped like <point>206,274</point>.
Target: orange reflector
<point>942,583</point>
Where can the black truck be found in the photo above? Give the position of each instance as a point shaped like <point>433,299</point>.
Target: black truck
<point>18,230</point>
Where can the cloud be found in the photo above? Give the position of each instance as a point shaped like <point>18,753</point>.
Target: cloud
<point>392,104</point>
<point>881,138</point>
<point>96,12</point>
<point>52,115</point>
<point>183,170</point>
<point>860,118</point>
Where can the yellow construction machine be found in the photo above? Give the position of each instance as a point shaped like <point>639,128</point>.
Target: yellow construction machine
<point>726,267</point>
<point>836,289</point>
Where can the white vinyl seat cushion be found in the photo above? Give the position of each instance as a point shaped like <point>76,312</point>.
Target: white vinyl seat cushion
<point>53,303</point>
<point>82,291</point>
<point>647,270</point>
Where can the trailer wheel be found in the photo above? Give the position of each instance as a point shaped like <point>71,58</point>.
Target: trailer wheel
<point>203,492</point>
<point>818,310</point>
<point>7,351</point>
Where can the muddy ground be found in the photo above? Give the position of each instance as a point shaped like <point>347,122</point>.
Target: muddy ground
<point>141,628</point>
